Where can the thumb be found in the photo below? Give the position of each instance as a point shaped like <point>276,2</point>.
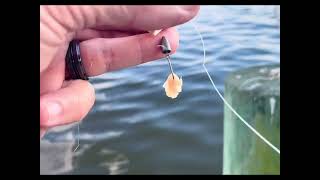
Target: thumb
<point>66,105</point>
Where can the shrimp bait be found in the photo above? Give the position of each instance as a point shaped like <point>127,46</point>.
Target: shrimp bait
<point>173,86</point>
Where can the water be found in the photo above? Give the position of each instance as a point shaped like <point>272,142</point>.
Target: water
<point>134,128</point>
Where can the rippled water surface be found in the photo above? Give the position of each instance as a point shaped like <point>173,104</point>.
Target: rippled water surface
<point>134,128</point>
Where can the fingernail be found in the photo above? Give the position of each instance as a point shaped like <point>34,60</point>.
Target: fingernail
<point>54,109</point>
<point>189,7</point>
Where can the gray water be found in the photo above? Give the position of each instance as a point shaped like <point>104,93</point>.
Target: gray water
<point>134,128</point>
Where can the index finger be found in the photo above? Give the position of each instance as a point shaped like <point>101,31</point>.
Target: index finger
<point>148,17</point>
<point>152,17</point>
<point>103,55</point>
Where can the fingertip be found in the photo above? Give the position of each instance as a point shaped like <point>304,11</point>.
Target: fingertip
<point>66,105</point>
<point>189,12</point>
<point>173,36</point>
<point>192,9</point>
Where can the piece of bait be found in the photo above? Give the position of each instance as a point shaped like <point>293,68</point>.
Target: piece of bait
<point>173,85</point>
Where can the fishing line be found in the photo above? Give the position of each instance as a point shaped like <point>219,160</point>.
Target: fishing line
<point>78,137</point>
<point>225,102</point>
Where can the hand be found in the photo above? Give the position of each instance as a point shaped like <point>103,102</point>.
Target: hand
<point>112,37</point>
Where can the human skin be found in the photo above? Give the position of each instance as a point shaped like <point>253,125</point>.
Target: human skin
<point>112,38</point>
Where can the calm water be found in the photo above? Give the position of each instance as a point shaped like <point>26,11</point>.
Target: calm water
<point>134,128</point>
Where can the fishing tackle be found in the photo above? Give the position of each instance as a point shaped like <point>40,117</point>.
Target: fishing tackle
<point>166,49</point>
<point>173,84</point>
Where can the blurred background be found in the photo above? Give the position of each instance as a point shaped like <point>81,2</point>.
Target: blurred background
<point>134,128</point>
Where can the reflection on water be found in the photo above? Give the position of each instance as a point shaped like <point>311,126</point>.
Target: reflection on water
<point>55,158</point>
<point>105,161</point>
<point>134,128</point>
